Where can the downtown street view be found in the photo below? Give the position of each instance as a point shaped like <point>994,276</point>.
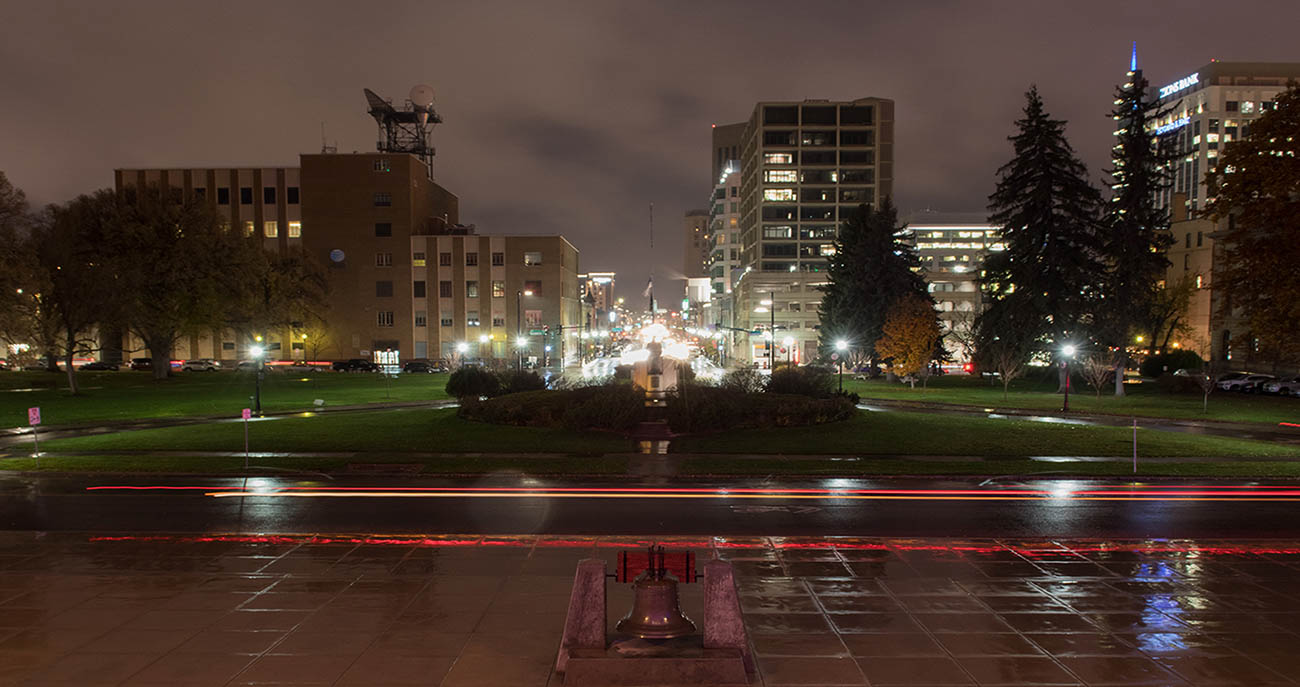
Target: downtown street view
<point>650,344</point>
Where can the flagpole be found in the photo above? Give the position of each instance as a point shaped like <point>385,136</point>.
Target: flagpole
<point>652,263</point>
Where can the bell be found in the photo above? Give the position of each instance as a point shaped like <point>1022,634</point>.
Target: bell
<point>655,613</point>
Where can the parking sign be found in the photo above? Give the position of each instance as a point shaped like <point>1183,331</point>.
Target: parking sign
<point>33,416</point>
<point>247,413</point>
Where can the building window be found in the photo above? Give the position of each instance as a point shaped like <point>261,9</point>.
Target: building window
<point>1200,238</point>
<point>532,258</point>
<point>223,196</point>
<point>533,318</point>
<point>498,322</point>
<point>381,165</point>
<point>383,200</point>
<point>268,195</point>
<point>498,288</point>
<point>291,195</point>
<point>384,318</point>
<point>1187,243</point>
<point>421,318</point>
<point>444,289</point>
<point>270,229</point>
<point>446,322</point>
<point>417,260</point>
<point>383,228</point>
<point>498,259</point>
<point>200,194</point>
<point>383,259</point>
<point>778,194</point>
<point>246,195</point>
<point>1200,283</point>
<point>383,289</point>
<point>1230,106</point>
<point>778,158</point>
<point>778,176</point>
<point>444,259</point>
<point>295,230</point>
<point>778,232</point>
<point>471,259</point>
<point>471,318</point>
<point>471,289</point>
<point>419,289</point>
<point>249,228</point>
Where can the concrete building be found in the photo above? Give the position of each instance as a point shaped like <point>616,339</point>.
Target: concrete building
<point>804,167</point>
<point>727,141</point>
<point>952,248</point>
<point>696,261</point>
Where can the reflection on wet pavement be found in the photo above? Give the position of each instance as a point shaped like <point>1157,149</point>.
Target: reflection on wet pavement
<point>444,610</point>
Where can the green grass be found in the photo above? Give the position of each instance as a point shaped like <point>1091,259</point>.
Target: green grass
<point>394,430</point>
<point>568,465</point>
<point>125,395</point>
<point>1008,467</point>
<point>1038,393</point>
<point>914,433</point>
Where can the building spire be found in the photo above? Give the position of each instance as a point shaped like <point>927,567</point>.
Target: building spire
<point>1133,61</point>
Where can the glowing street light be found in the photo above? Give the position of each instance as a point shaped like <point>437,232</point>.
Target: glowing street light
<point>1068,351</point>
<point>840,347</point>
<point>257,352</point>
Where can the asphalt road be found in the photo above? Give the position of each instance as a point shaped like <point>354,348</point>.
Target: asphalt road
<point>877,507</point>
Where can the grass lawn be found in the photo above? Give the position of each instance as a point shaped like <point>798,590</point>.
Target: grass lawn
<point>866,467</point>
<point>907,433</point>
<point>373,432</point>
<point>568,465</point>
<point>1038,393</point>
<point>128,395</point>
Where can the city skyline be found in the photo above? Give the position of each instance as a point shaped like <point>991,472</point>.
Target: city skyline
<point>575,129</point>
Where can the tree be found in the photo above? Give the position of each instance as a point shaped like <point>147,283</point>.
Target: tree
<point>279,292</point>
<point>81,286</point>
<point>15,286</point>
<point>1007,361</point>
<point>873,267</point>
<point>1096,369</point>
<point>1043,287</point>
<point>1167,314</point>
<point>181,269</point>
<point>1255,187</point>
<point>909,336</point>
<point>1136,236</point>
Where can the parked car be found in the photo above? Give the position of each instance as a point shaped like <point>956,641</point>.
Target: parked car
<point>1287,386</point>
<point>423,367</point>
<point>251,366</point>
<point>100,365</point>
<point>141,364</point>
<point>201,365</point>
<point>355,365</point>
<point>299,366</point>
<point>1245,383</point>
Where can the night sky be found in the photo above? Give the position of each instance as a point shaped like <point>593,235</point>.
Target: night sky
<point>571,117</point>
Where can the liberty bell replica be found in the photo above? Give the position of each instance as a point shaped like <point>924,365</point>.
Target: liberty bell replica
<point>656,613</point>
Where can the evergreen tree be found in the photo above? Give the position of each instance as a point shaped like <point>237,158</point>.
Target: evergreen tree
<point>1136,236</point>
<point>873,268</point>
<point>1043,286</point>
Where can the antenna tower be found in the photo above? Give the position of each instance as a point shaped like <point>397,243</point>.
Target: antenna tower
<point>406,130</point>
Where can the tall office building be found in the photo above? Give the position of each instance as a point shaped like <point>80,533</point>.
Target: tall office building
<point>952,246</point>
<point>727,140</point>
<point>805,166</point>
<point>696,260</point>
<point>724,244</point>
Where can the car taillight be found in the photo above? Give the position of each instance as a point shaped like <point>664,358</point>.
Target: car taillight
<point>968,367</point>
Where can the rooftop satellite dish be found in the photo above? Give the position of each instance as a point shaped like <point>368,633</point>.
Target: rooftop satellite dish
<point>422,96</point>
<point>336,255</point>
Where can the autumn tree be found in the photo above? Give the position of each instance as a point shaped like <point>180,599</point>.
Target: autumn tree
<point>1255,188</point>
<point>909,336</point>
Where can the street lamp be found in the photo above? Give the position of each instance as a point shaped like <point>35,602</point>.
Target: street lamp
<point>840,347</point>
<point>1069,353</point>
<point>519,323</point>
<point>257,388</point>
<point>789,351</point>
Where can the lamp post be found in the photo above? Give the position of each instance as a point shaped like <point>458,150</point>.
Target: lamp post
<point>1069,353</point>
<point>519,323</point>
<point>789,351</point>
<point>520,342</point>
<point>771,340</point>
<point>257,388</point>
<point>840,347</point>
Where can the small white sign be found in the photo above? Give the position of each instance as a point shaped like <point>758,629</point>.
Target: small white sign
<point>247,413</point>
<point>33,416</point>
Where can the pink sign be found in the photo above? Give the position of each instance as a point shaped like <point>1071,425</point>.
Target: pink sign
<point>247,413</point>
<point>33,416</point>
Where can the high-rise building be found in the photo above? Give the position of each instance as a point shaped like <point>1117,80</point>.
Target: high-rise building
<point>724,245</point>
<point>696,260</point>
<point>952,247</point>
<point>727,140</point>
<point>805,166</point>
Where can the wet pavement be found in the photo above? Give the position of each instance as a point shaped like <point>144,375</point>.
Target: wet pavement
<point>108,609</point>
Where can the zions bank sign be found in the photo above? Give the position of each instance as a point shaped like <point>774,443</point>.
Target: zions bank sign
<point>1185,82</point>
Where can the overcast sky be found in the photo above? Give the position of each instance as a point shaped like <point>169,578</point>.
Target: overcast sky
<point>571,117</point>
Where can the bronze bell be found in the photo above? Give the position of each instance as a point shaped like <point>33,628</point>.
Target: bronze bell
<point>655,612</point>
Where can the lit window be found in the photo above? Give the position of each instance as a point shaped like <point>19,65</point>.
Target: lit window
<point>1247,106</point>
<point>417,260</point>
<point>533,318</point>
<point>1199,282</point>
<point>778,158</point>
<point>471,289</point>
<point>532,288</point>
<point>778,194</point>
<point>421,318</point>
<point>498,288</point>
<point>295,230</point>
<point>271,229</point>
<point>532,258</point>
<point>384,318</point>
<point>471,318</point>
<point>781,176</point>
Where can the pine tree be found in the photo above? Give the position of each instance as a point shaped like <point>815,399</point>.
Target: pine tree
<point>1043,286</point>
<point>1136,236</point>
<point>874,267</point>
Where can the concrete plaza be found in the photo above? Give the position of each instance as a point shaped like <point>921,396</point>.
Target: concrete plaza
<point>189,610</point>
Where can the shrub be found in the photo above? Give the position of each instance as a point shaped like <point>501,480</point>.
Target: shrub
<point>1162,363</point>
<point>615,407</point>
<point>814,382</point>
<point>1178,384</point>
<point>696,408</point>
<point>519,381</point>
<point>745,380</point>
<point>471,383</point>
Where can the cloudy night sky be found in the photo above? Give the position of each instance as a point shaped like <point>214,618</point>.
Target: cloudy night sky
<point>571,117</point>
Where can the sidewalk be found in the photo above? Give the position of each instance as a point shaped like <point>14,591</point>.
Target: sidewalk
<point>460,611</point>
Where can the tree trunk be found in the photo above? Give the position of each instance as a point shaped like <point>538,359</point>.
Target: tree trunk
<point>1120,362</point>
<point>1061,378</point>
<point>161,354</point>
<point>67,360</point>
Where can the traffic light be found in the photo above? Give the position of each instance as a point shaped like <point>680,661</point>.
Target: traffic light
<point>546,330</point>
